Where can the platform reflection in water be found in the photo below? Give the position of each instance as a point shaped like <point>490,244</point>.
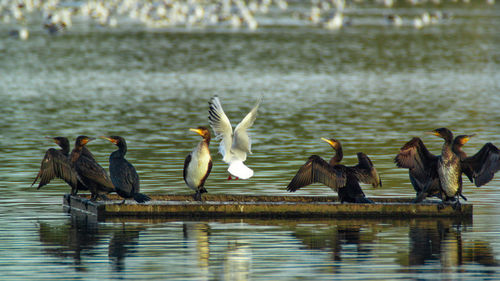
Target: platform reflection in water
<point>226,249</point>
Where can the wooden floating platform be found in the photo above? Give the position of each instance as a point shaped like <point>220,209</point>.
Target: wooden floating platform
<point>250,206</point>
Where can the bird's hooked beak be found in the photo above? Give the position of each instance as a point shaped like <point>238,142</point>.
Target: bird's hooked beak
<point>198,131</point>
<point>435,133</point>
<point>52,139</point>
<point>86,140</point>
<point>109,139</point>
<point>331,143</point>
<point>466,139</point>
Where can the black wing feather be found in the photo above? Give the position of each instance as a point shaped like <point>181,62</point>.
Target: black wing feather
<point>186,163</point>
<point>89,169</point>
<point>317,170</point>
<point>56,165</point>
<point>365,172</point>
<point>483,165</point>
<point>422,165</point>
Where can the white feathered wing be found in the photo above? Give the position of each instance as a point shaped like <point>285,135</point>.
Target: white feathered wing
<point>233,147</point>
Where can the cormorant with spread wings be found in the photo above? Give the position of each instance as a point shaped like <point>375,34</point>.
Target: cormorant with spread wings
<point>56,164</point>
<point>342,179</point>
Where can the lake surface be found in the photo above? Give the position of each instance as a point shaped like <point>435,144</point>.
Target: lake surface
<point>369,85</point>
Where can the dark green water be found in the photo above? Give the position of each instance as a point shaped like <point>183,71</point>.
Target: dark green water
<point>369,85</point>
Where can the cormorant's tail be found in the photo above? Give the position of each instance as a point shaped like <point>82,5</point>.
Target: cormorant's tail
<point>141,198</point>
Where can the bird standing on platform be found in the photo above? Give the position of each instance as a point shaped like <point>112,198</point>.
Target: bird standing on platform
<point>123,174</point>
<point>234,147</point>
<point>90,172</point>
<point>435,175</point>
<point>342,179</point>
<point>56,164</point>
<point>198,164</point>
<point>422,166</point>
<point>449,168</point>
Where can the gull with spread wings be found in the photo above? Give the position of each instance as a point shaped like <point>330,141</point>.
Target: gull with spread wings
<point>234,147</point>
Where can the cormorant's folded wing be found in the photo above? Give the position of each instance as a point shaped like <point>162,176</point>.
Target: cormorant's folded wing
<point>90,169</point>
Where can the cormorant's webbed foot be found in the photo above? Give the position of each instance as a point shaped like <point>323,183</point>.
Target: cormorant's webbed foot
<point>197,196</point>
<point>363,200</point>
<point>457,206</point>
<point>420,197</point>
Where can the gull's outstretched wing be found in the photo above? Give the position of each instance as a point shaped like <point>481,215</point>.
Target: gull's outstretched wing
<point>221,126</point>
<point>241,141</point>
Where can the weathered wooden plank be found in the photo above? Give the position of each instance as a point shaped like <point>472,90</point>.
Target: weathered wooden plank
<point>249,206</point>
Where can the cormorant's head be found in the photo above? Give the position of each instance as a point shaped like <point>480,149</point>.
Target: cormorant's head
<point>462,139</point>
<point>204,132</point>
<point>443,133</point>
<point>61,141</point>
<point>116,140</point>
<point>82,140</point>
<point>335,144</point>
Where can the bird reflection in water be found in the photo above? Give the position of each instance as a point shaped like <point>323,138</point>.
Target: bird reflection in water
<point>123,244</point>
<point>441,241</point>
<point>338,238</point>
<point>196,236</point>
<point>73,239</point>
<point>237,261</point>
<point>80,236</point>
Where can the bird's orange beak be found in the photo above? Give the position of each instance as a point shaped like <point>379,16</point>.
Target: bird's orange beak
<point>466,139</point>
<point>198,131</point>
<point>109,139</point>
<point>433,133</point>
<point>85,141</point>
<point>329,142</point>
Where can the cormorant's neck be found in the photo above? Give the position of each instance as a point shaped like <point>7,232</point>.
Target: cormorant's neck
<point>337,157</point>
<point>448,138</point>
<point>65,149</point>
<point>122,150</point>
<point>207,140</point>
<point>76,152</point>
<point>457,149</point>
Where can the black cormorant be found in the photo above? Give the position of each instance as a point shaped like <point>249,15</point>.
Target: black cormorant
<point>56,163</point>
<point>123,174</point>
<point>423,168</point>
<point>342,179</point>
<point>90,172</point>
<point>198,164</point>
<point>449,168</point>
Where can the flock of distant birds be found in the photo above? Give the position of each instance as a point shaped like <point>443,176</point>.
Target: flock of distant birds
<point>430,175</point>
<point>58,15</point>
